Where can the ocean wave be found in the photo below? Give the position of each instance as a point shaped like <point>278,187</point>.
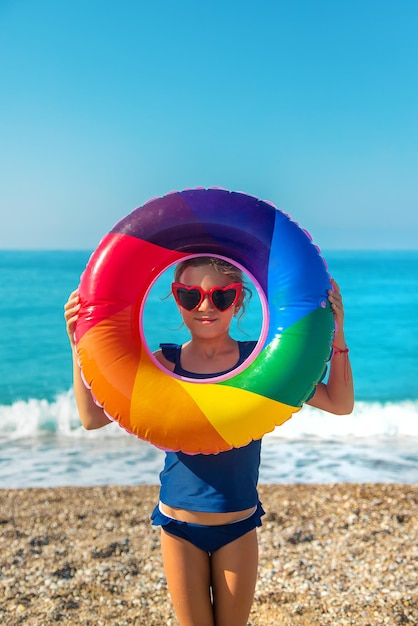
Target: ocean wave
<point>40,418</point>
<point>369,419</point>
<point>59,418</point>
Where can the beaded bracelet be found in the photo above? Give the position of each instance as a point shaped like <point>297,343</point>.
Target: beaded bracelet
<point>338,350</point>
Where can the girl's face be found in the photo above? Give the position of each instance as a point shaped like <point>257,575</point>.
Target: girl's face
<point>207,321</point>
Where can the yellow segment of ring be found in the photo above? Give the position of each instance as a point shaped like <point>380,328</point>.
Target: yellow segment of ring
<point>257,415</point>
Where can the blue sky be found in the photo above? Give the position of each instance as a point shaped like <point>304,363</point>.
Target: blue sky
<point>311,104</point>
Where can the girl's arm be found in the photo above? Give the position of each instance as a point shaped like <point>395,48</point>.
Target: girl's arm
<point>337,395</point>
<point>91,415</point>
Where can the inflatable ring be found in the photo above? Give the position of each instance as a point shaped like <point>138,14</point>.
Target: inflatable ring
<point>291,355</point>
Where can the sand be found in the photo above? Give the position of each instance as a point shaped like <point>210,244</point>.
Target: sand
<point>329,554</point>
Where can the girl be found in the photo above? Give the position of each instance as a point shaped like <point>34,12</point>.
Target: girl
<point>209,508</point>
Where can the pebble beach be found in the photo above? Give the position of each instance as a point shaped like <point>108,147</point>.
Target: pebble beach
<point>329,554</point>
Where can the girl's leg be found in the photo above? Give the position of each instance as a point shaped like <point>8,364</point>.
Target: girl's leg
<point>187,571</point>
<point>234,575</point>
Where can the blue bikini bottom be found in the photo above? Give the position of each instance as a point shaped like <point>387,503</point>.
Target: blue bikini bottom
<point>208,538</point>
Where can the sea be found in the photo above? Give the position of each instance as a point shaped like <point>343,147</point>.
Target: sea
<point>42,443</point>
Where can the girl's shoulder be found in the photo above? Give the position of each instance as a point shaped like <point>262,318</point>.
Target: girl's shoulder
<point>168,355</point>
<point>171,351</point>
<point>245,349</point>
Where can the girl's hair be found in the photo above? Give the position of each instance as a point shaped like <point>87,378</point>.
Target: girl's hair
<point>223,267</point>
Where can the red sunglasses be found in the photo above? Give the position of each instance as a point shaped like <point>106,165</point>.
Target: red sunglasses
<point>222,298</point>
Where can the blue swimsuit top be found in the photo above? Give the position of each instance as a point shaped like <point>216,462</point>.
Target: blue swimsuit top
<point>220,483</point>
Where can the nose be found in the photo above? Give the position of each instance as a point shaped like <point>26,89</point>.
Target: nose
<point>205,304</point>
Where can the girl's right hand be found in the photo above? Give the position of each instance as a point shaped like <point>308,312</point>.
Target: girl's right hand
<point>91,415</point>
<point>71,309</point>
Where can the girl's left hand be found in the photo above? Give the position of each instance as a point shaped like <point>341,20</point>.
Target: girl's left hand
<point>336,301</point>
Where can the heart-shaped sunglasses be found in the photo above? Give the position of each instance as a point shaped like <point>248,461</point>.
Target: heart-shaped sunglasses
<point>222,298</point>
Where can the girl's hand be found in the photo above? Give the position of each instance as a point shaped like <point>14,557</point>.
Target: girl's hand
<point>336,301</point>
<point>91,415</point>
<point>71,309</point>
<point>337,394</point>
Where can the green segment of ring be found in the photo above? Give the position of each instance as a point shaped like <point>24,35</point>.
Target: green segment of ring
<point>290,366</point>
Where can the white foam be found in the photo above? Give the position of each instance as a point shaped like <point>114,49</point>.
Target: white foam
<point>43,444</point>
<point>369,419</point>
<point>38,418</point>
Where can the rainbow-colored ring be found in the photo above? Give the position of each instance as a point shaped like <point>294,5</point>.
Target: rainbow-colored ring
<point>217,414</point>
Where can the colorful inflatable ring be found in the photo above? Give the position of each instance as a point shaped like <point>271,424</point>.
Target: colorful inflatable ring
<point>213,415</point>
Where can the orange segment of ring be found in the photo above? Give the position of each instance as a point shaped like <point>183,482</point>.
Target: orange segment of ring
<point>108,367</point>
<point>133,390</point>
